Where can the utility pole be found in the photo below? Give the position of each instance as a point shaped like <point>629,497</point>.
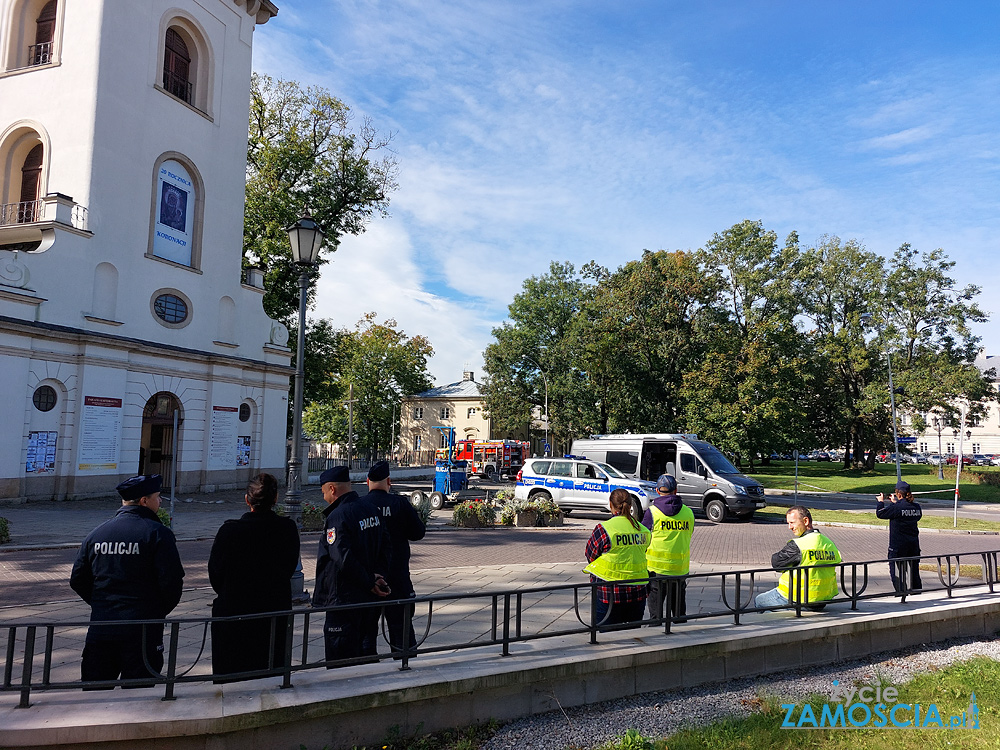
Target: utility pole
<point>350,425</point>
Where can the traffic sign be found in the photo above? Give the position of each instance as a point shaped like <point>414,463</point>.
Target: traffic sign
<point>905,440</point>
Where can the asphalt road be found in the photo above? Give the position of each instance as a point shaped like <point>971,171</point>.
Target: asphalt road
<point>35,576</point>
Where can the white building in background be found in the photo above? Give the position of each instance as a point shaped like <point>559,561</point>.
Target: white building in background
<point>984,434</point>
<point>123,135</point>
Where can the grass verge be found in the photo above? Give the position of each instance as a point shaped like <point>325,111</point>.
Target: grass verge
<point>949,689</point>
<point>850,516</point>
<point>832,477</point>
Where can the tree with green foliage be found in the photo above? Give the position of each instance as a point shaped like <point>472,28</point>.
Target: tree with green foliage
<point>645,325</point>
<point>382,364</point>
<point>747,393</point>
<point>927,330</point>
<point>531,351</point>
<point>304,155</point>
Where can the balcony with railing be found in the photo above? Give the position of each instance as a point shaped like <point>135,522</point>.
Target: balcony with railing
<point>25,212</point>
<point>53,210</point>
<point>39,54</point>
<point>179,86</point>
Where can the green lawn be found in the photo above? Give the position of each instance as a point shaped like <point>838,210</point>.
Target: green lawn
<point>850,516</point>
<point>832,477</point>
<point>948,689</point>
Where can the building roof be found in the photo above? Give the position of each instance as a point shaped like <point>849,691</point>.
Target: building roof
<point>461,389</point>
<point>989,362</point>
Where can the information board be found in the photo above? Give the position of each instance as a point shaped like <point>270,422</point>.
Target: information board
<point>222,450</point>
<point>101,432</point>
<point>41,456</point>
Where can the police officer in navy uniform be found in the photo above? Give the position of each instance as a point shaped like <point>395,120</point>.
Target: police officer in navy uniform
<point>353,560</point>
<point>904,536</point>
<point>128,569</point>
<point>404,526</point>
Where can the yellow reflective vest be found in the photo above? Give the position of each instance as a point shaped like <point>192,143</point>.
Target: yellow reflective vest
<point>669,554</point>
<point>626,560</point>
<point>816,549</point>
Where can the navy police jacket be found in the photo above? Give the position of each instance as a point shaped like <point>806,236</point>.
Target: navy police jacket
<point>128,568</point>
<point>353,548</point>
<point>404,526</point>
<point>903,517</point>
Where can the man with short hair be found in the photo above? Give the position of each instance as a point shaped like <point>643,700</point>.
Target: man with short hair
<point>808,549</point>
<point>669,553</point>
<point>404,526</point>
<point>350,569</point>
<point>128,569</point>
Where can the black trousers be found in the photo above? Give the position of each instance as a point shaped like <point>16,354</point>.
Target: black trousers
<point>658,597</point>
<point>245,646</point>
<point>394,616</point>
<point>910,569</point>
<point>350,634</point>
<point>121,656</point>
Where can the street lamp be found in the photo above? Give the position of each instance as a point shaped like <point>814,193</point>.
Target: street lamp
<point>546,383</point>
<point>939,425</point>
<point>306,238</point>
<point>865,317</point>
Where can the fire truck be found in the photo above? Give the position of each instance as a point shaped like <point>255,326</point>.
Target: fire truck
<point>490,458</point>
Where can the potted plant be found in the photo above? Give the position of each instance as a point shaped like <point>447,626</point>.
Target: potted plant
<point>549,513</point>
<point>474,514</point>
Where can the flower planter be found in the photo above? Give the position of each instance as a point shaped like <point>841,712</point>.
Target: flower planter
<point>555,519</point>
<point>472,522</point>
<point>526,518</point>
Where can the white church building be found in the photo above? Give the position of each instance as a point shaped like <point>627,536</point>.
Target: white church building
<point>123,137</point>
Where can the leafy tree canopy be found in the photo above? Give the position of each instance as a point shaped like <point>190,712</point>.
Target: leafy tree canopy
<point>305,154</point>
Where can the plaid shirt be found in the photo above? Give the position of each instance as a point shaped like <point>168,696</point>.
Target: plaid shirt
<point>598,544</point>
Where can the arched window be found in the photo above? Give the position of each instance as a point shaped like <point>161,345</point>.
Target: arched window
<point>40,52</point>
<point>177,67</point>
<point>28,209</point>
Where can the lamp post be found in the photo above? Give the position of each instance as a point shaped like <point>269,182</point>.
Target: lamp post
<point>306,239</point>
<point>866,317</point>
<point>939,425</point>
<point>546,383</point>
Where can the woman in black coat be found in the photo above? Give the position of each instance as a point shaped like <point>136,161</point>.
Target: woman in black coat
<point>250,568</point>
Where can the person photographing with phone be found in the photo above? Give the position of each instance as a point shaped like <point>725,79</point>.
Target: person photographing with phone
<point>903,515</point>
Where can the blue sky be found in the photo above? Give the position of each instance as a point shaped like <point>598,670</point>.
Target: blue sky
<point>528,132</point>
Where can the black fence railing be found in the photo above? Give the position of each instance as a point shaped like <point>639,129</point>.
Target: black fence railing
<point>179,86</point>
<point>506,618</point>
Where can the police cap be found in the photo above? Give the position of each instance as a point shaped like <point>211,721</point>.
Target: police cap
<point>338,474</point>
<point>666,482</point>
<point>140,486</point>
<point>902,486</point>
<point>378,471</point>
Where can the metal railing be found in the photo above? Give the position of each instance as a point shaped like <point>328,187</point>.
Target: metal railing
<point>24,212</point>
<point>180,87</point>
<point>508,614</point>
<point>39,54</point>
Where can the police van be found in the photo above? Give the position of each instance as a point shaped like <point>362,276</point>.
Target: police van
<point>575,482</point>
<point>706,480</point>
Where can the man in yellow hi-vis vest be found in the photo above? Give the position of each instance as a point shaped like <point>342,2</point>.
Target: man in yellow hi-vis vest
<point>669,553</point>
<point>813,587</point>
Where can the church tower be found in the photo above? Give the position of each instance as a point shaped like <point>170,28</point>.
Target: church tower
<point>123,306</point>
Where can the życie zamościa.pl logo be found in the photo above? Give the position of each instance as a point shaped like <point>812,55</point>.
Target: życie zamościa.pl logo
<point>876,706</point>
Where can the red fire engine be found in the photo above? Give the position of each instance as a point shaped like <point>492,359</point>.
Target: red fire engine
<point>492,457</point>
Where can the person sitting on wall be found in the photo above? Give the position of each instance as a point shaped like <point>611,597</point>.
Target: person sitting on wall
<point>808,549</point>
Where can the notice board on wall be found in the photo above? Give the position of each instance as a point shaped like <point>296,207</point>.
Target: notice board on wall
<point>100,433</point>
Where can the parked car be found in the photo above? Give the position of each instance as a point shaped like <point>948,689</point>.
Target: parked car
<point>822,456</point>
<point>936,459</point>
<point>966,460</point>
<point>980,459</point>
<point>576,482</point>
<point>919,458</point>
